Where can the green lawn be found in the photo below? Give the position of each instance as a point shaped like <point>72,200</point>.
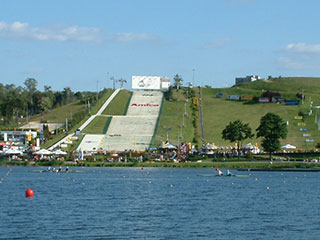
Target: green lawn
<point>218,112</point>
<point>98,125</point>
<point>119,104</point>
<point>61,113</point>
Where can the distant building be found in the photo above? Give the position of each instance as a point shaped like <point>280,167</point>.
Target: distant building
<point>250,78</point>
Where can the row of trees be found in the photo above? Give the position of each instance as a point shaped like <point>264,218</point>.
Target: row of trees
<point>17,101</point>
<point>271,129</point>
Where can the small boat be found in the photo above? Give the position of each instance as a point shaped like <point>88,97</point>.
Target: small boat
<point>63,171</point>
<point>216,175</point>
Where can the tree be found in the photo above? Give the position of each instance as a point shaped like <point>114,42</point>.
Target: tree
<point>177,81</point>
<point>31,85</point>
<point>237,132</point>
<point>271,129</point>
<point>67,95</point>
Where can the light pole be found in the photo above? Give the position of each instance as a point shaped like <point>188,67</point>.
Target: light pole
<point>316,116</point>
<point>107,79</point>
<point>193,77</point>
<point>114,82</point>
<point>167,129</point>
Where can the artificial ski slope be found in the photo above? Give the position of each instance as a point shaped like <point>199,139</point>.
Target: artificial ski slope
<point>132,131</point>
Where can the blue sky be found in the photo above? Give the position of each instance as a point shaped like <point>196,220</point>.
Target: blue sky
<point>81,44</point>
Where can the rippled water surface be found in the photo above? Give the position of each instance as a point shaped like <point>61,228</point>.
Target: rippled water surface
<point>158,203</point>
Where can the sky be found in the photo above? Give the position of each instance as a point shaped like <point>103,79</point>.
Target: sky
<point>81,44</point>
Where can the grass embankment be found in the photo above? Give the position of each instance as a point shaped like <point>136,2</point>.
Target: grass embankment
<point>99,125</point>
<point>119,104</point>
<point>173,116</point>
<point>60,114</point>
<point>288,86</point>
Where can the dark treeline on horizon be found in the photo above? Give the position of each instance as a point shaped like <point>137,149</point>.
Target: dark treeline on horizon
<point>17,101</point>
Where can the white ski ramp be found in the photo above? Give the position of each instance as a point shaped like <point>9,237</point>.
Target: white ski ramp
<point>135,130</point>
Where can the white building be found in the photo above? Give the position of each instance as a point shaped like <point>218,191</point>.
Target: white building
<point>250,78</point>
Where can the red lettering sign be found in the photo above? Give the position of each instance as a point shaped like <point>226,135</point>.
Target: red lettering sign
<point>144,105</point>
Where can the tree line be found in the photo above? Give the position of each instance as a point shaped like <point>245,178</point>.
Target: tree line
<point>26,101</point>
<point>272,128</point>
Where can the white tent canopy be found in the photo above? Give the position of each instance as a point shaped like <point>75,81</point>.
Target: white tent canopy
<point>43,152</point>
<point>288,146</point>
<point>13,152</point>
<point>168,146</point>
<point>59,152</point>
<point>249,146</point>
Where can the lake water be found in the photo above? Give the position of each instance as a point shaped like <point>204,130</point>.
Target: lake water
<point>158,203</point>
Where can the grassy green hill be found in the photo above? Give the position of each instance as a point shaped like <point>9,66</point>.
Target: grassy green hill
<point>99,125</point>
<point>218,112</point>
<point>60,114</point>
<point>226,111</point>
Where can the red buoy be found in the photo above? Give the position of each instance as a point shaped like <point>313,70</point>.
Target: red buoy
<point>7,166</point>
<point>29,192</point>
<point>142,168</point>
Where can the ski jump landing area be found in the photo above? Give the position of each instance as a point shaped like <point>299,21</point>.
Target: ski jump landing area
<point>133,131</point>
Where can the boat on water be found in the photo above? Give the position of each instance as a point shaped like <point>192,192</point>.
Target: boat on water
<point>60,170</point>
<point>217,175</point>
<point>221,174</point>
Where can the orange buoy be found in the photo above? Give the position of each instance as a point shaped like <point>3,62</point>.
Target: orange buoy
<point>29,192</point>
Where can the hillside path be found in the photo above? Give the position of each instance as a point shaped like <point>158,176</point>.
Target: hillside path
<point>90,119</point>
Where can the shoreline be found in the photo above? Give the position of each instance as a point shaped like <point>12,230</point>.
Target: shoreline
<point>241,165</point>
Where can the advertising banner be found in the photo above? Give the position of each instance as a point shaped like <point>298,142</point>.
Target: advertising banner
<point>234,97</point>
<point>292,102</point>
<point>146,82</point>
<point>263,100</point>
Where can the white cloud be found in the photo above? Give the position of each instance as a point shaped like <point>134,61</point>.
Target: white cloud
<point>288,63</point>
<point>23,31</point>
<point>20,30</point>
<point>299,56</point>
<point>129,37</point>
<point>218,43</point>
<point>303,48</point>
<point>33,71</point>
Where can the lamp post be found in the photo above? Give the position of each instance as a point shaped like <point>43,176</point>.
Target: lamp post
<point>167,129</point>
<point>193,70</point>
<point>316,116</point>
